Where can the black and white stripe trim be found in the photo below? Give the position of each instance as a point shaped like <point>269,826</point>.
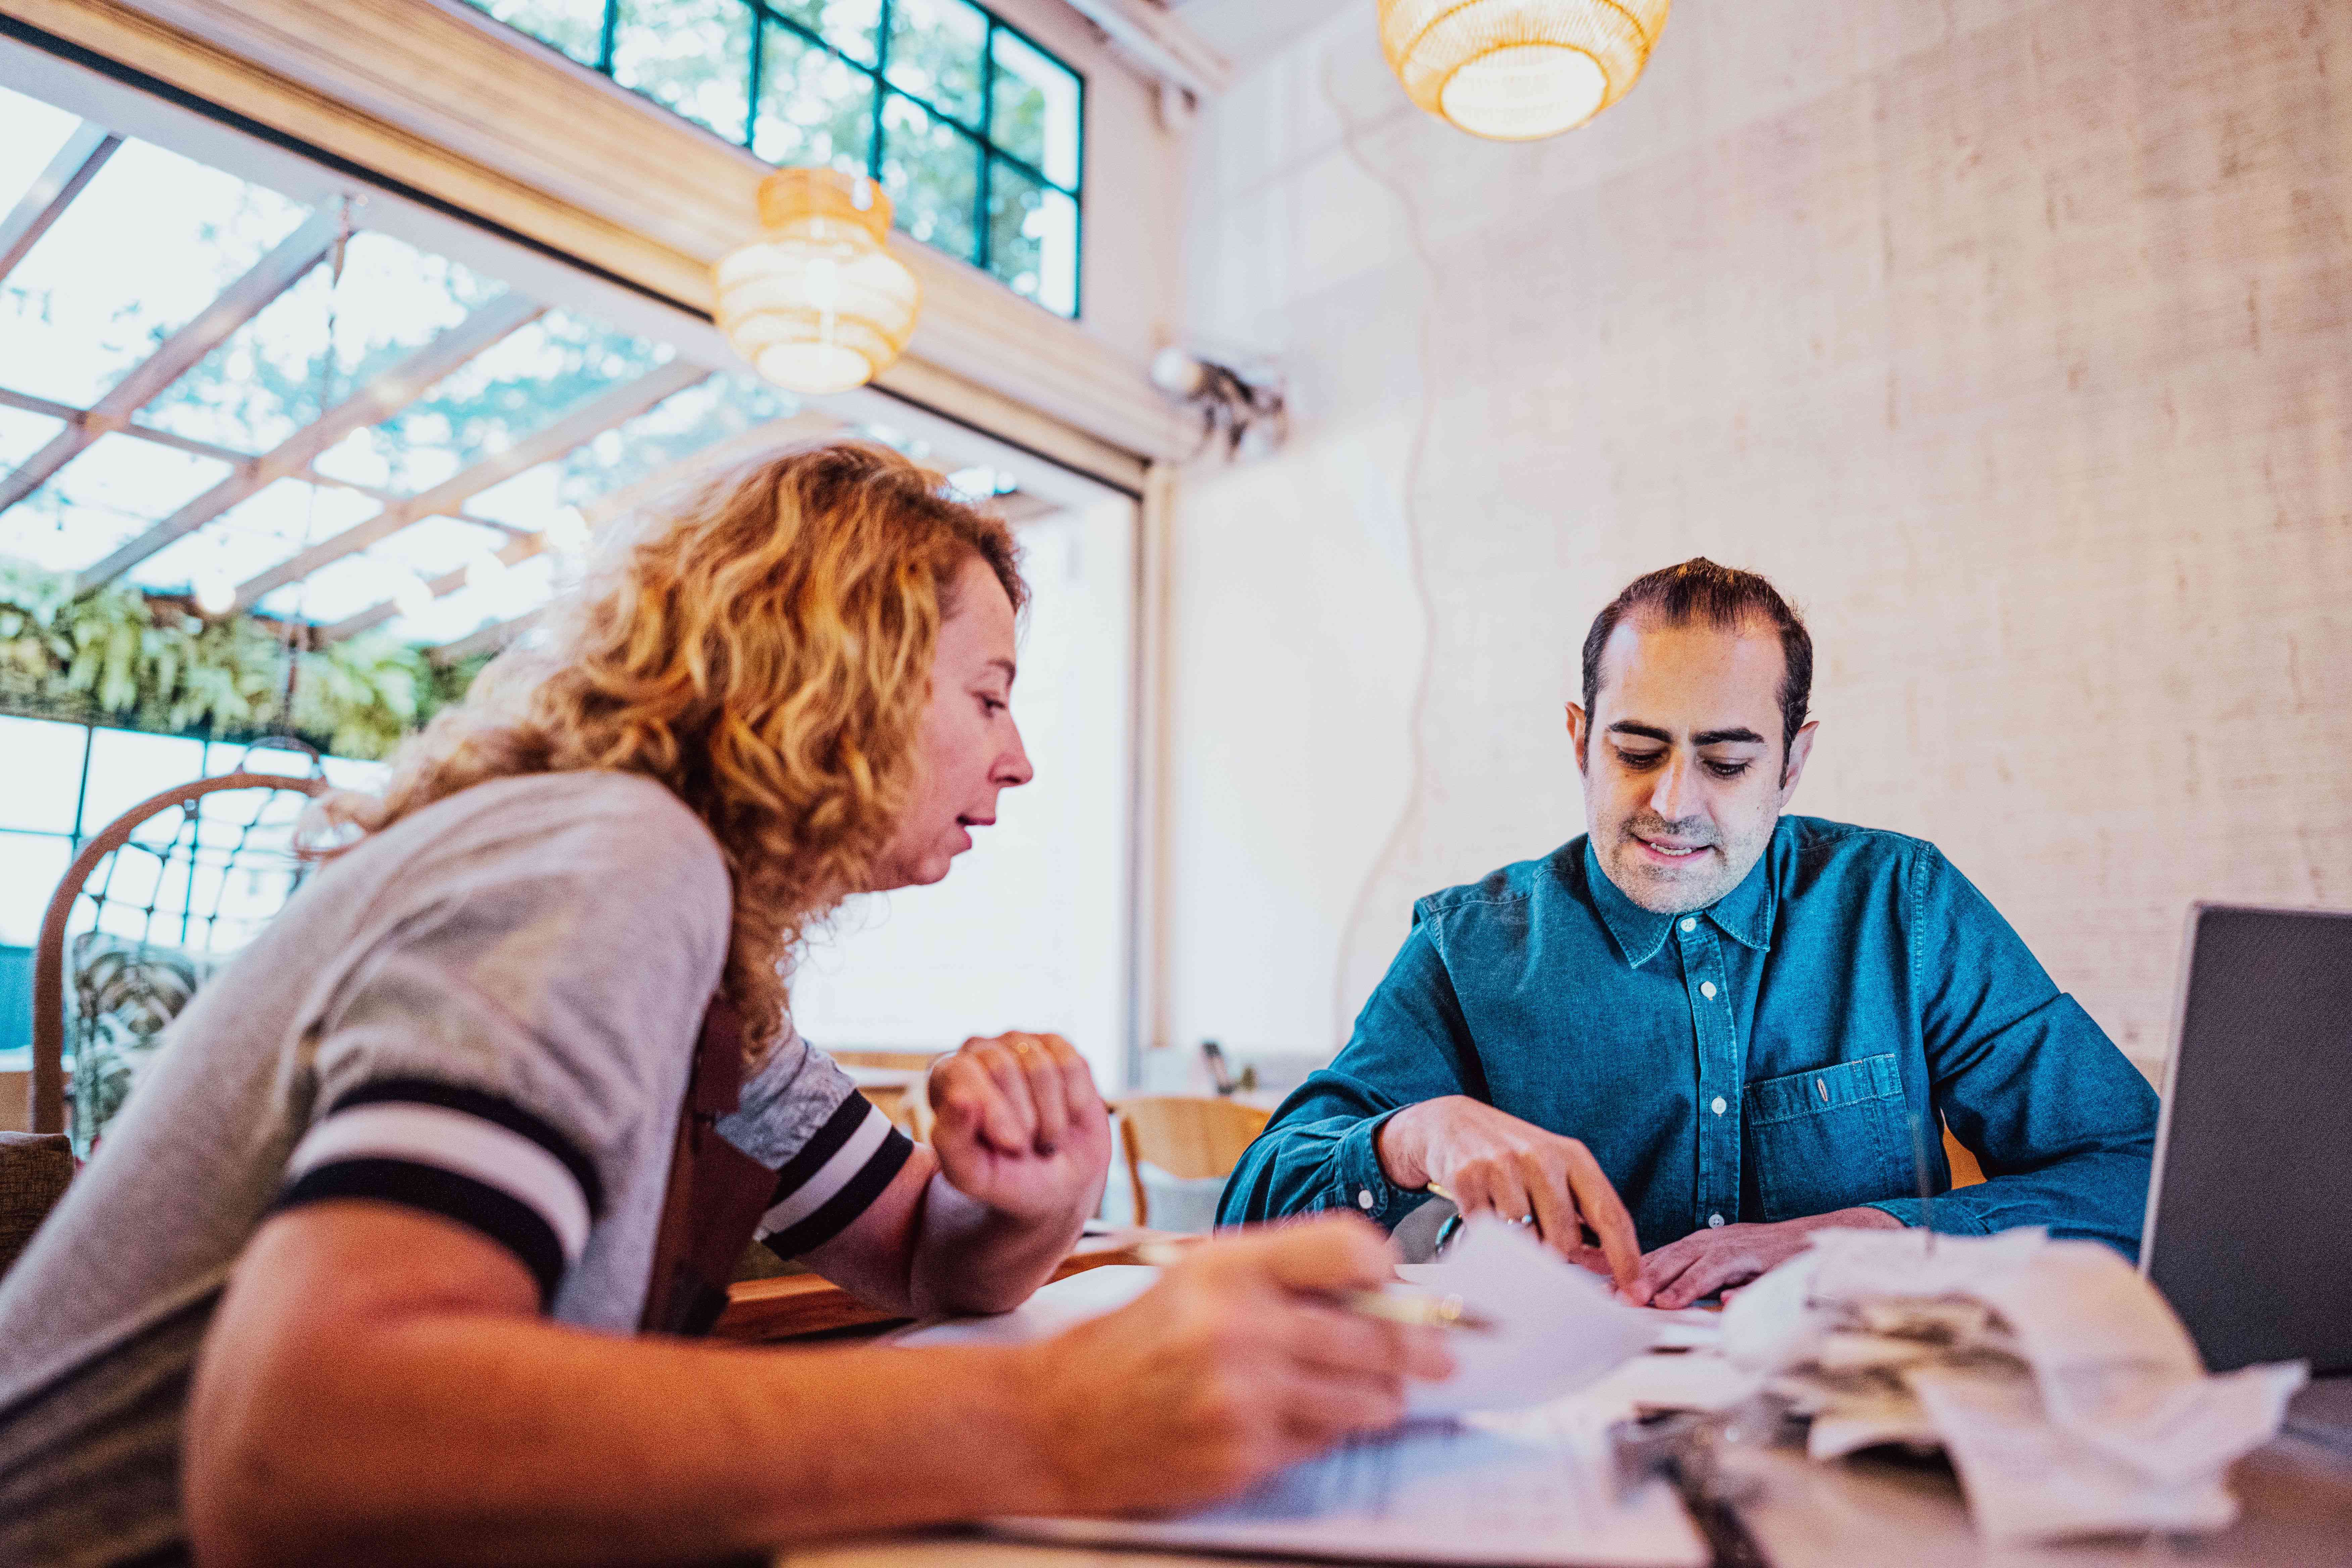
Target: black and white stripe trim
<point>468,1156</point>
<point>836,1175</point>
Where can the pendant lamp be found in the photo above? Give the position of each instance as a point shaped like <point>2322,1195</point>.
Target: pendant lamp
<point>1513,70</point>
<point>818,304</point>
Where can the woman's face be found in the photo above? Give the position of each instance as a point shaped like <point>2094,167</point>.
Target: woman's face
<point>970,749</point>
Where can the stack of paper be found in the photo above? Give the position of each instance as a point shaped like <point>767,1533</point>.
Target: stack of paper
<point>2067,1394</point>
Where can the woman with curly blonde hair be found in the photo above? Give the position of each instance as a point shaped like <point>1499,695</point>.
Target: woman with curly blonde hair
<point>353,1277</point>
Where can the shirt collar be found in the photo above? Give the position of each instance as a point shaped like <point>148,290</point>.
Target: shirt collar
<point>1744,914</point>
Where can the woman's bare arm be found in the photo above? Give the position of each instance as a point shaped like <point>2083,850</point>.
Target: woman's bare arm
<point>376,1386</point>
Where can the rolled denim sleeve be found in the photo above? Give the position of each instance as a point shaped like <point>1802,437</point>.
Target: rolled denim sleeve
<point>1319,1150</point>
<point>2062,1123</point>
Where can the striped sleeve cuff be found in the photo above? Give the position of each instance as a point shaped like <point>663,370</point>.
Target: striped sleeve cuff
<point>465,1155</point>
<point>836,1175</point>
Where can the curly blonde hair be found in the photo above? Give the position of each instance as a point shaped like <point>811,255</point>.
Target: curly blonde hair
<point>763,649</point>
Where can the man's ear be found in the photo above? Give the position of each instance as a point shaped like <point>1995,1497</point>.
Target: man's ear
<point>1800,750</point>
<point>1575,733</point>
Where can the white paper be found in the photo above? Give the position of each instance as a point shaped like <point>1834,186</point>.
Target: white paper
<point>2068,1396</point>
<point>1557,1327</point>
<point>1435,1492</point>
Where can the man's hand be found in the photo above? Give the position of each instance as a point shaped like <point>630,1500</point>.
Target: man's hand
<point>1707,1261</point>
<point>1020,1127</point>
<point>1493,1163</point>
<point>1235,1364</point>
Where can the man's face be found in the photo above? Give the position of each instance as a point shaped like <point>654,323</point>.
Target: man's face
<point>1683,773</point>
<point>971,749</point>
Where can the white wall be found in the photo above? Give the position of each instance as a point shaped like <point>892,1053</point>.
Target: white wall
<point>1029,929</point>
<point>2008,336</point>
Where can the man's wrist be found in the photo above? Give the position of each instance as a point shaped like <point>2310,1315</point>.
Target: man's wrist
<point>1397,1147</point>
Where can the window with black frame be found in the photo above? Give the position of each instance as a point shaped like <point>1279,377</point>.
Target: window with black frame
<point>973,129</point>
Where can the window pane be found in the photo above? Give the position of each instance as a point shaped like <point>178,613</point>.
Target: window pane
<point>253,536</point>
<point>575,27</point>
<point>126,767</point>
<point>31,133</point>
<point>517,387</point>
<point>694,56</point>
<point>30,870</point>
<point>44,773</point>
<point>521,588</point>
<point>112,491</point>
<point>657,446</point>
<point>264,383</point>
<point>1033,239</point>
<point>149,243</point>
<point>22,434</point>
<point>1036,110</point>
<point>813,110</point>
<point>932,173</point>
<point>935,54</point>
<point>847,24</point>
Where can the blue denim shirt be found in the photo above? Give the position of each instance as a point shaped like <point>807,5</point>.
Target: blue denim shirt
<point>1761,1059</point>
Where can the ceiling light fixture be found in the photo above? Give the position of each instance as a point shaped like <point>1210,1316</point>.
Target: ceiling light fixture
<point>1514,71</point>
<point>818,304</point>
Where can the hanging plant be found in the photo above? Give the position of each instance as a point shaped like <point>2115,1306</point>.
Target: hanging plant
<point>116,657</point>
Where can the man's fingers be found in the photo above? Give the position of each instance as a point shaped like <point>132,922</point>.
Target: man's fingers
<point>1080,1094</point>
<point>1556,1220</point>
<point>1605,1212</point>
<point>1706,1274</point>
<point>1661,1267</point>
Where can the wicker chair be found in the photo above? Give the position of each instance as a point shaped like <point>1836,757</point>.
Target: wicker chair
<point>145,912</point>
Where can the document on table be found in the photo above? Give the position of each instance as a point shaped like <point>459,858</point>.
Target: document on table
<point>1437,1491</point>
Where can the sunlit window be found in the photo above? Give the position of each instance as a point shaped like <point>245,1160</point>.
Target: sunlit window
<point>974,131</point>
<point>210,389</point>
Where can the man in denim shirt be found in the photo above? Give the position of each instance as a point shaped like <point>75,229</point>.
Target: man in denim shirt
<point>1744,1023</point>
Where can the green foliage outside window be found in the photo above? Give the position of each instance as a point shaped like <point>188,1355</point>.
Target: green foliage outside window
<point>116,657</point>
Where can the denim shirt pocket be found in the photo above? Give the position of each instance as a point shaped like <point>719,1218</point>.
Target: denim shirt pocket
<point>1829,1137</point>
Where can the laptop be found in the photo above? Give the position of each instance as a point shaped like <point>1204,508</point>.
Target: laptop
<point>2249,1226</point>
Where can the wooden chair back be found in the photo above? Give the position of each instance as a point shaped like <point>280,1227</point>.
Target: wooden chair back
<point>205,844</point>
<point>1188,1137</point>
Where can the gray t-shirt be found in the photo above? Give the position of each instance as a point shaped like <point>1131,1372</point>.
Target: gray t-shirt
<point>488,1011</point>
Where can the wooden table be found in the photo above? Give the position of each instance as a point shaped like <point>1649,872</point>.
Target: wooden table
<point>794,1306</point>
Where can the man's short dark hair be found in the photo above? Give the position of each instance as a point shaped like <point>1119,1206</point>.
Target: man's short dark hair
<point>1699,590</point>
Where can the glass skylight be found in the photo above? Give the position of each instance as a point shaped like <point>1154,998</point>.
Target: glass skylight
<point>546,419</point>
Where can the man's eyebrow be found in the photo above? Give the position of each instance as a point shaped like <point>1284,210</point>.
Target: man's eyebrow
<point>1704,738</point>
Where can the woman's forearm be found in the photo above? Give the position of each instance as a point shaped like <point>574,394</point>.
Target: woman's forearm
<point>968,1258</point>
<point>473,1437</point>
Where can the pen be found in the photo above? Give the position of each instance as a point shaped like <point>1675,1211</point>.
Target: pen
<point>1413,1309</point>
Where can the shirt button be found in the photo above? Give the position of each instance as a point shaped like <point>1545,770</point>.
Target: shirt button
<point>1718,1105</point>
<point>1690,925</point>
<point>1707,989</point>
<point>1364,1197</point>
<point>1715,1222</point>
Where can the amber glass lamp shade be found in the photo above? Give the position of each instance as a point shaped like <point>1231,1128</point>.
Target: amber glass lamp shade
<point>1513,70</point>
<point>818,303</point>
